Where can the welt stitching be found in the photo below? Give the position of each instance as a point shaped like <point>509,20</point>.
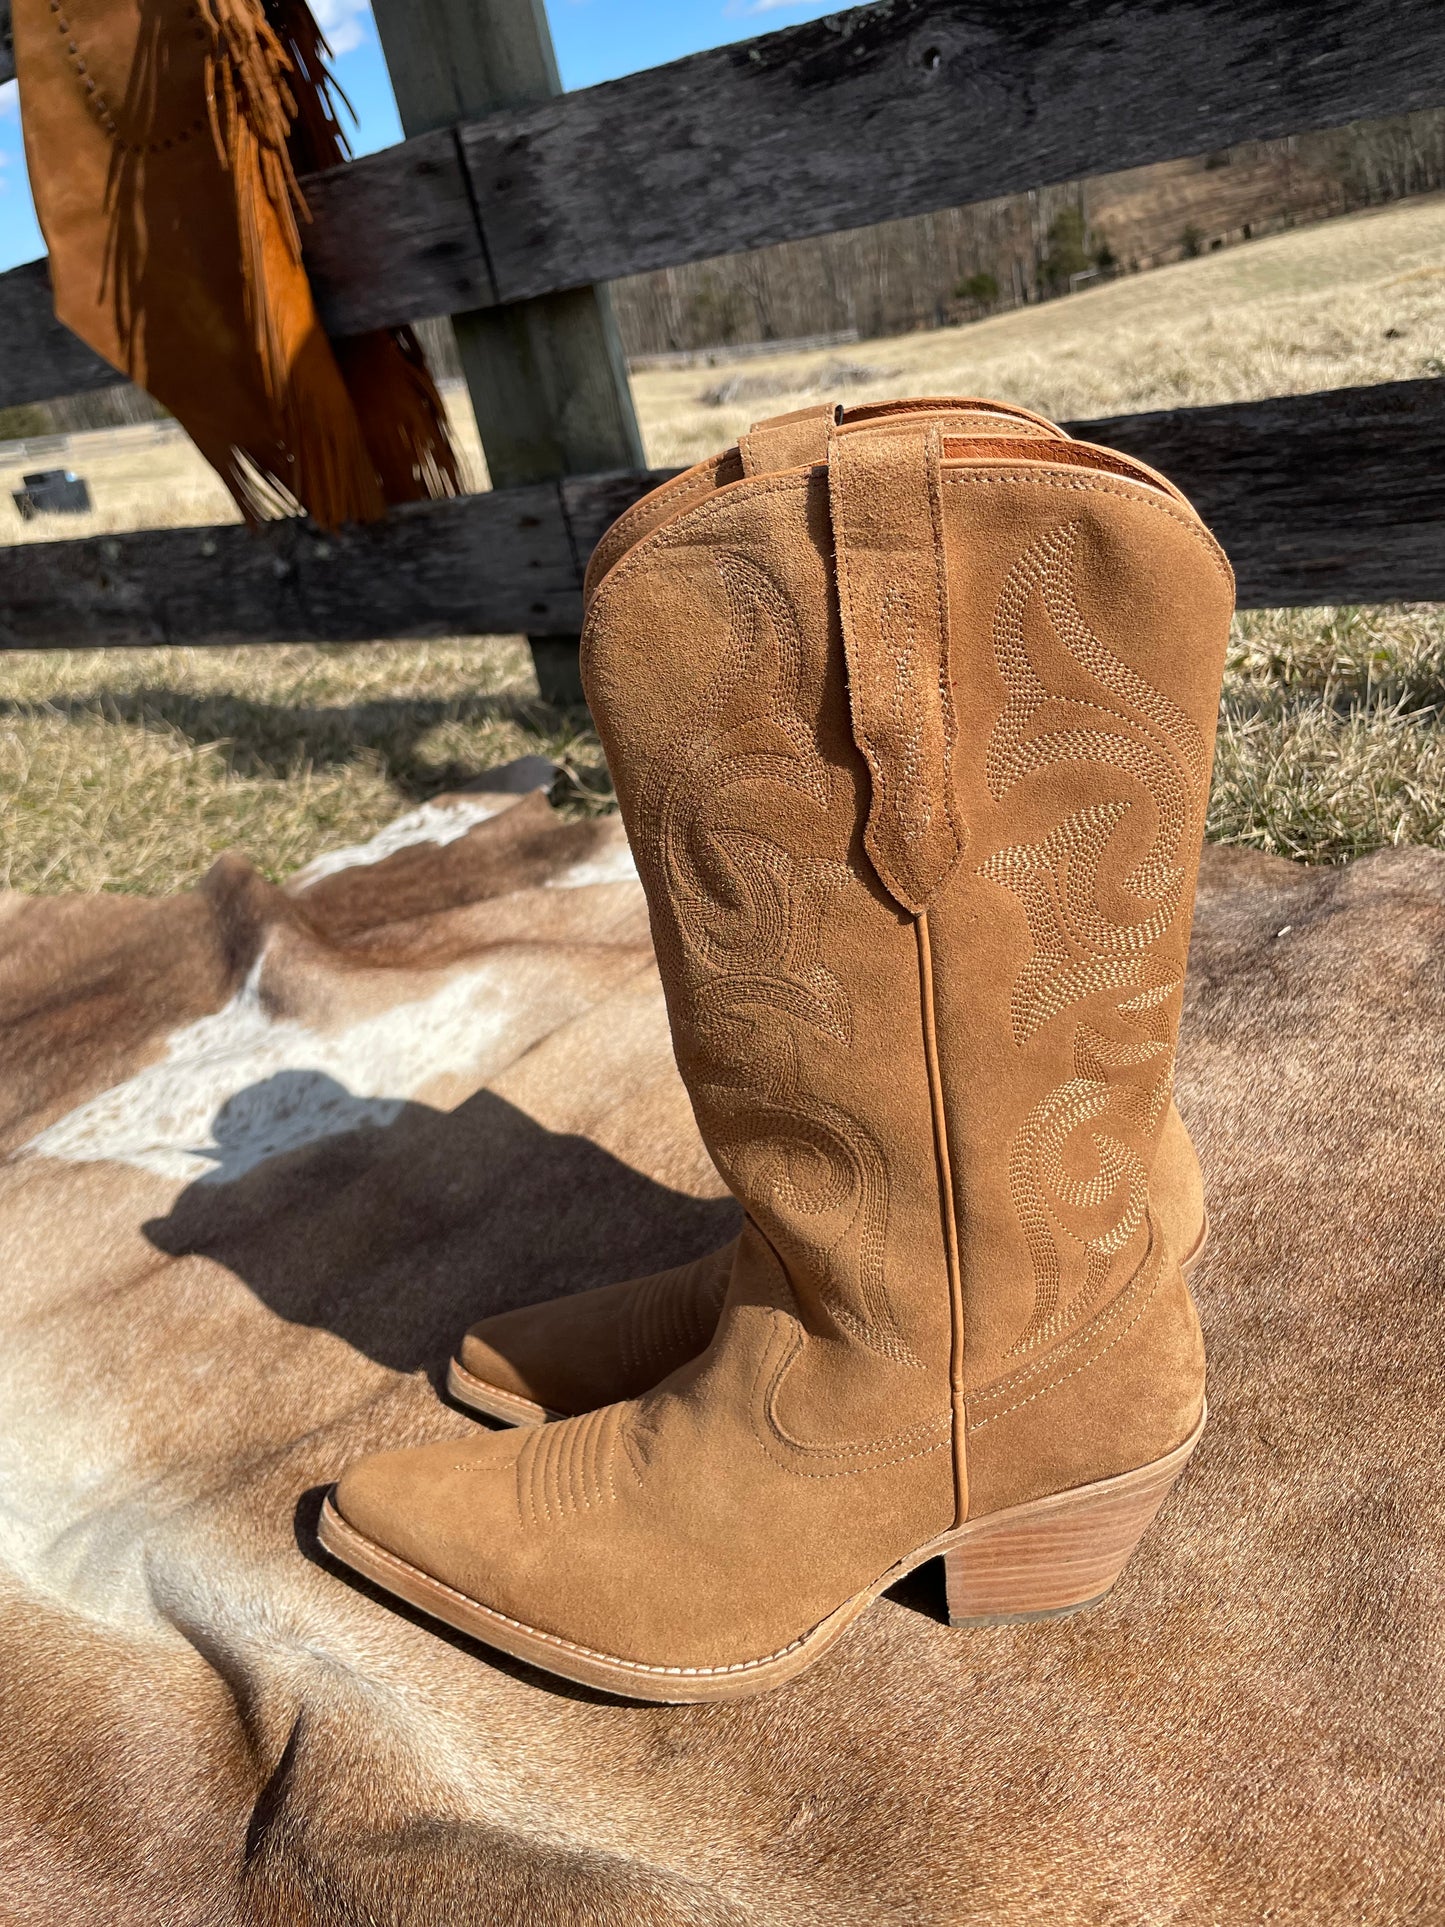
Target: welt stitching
<point>381,1554</point>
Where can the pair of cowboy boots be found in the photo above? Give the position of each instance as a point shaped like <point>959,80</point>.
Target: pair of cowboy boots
<point>911,715</point>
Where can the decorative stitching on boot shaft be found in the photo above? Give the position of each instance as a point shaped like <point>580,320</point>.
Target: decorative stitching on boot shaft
<point>1151,1271</point>
<point>739,924</point>
<point>1077,949</point>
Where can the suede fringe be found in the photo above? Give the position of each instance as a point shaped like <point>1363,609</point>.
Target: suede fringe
<point>358,426</point>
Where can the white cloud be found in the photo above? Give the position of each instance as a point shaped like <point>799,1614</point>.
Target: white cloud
<point>344,22</point>
<point>9,97</point>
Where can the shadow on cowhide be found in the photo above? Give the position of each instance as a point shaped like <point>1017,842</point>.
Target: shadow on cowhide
<point>268,1150</point>
<point>398,1235</point>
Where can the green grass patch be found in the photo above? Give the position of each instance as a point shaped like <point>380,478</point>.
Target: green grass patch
<point>134,769</point>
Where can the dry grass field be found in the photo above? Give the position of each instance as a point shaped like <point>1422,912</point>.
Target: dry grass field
<point>133,769</point>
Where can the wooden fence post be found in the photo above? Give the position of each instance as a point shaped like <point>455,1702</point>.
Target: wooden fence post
<point>547,377</point>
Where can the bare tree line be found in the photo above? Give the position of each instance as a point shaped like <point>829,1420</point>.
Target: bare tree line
<point>931,269</point>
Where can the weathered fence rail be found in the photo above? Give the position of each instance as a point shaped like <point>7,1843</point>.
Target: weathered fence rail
<point>1318,498</point>
<point>876,112</point>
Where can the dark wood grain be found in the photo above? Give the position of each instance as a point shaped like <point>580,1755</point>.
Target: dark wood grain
<point>871,113</point>
<point>1334,497</point>
<point>495,562</point>
<point>911,105</point>
<point>395,230</point>
<point>40,359</point>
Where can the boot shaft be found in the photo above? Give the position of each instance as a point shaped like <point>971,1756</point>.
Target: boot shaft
<point>913,747</point>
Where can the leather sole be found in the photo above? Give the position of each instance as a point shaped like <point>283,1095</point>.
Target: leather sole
<point>1041,1560</point>
<point>467,1389</point>
<point>478,1395</point>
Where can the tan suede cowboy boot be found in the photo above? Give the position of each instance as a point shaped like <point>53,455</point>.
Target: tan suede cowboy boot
<point>569,1355</point>
<point>922,925</point>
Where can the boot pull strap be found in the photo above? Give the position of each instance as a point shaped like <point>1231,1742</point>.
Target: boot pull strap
<point>886,498</point>
<point>787,441</point>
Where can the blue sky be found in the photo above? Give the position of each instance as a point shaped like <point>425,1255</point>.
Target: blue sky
<point>595,40</point>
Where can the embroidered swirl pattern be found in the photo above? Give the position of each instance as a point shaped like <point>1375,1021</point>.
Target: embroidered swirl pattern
<point>739,921</point>
<point>1077,1179</point>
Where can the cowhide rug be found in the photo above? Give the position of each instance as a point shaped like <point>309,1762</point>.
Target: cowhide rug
<point>269,1151</point>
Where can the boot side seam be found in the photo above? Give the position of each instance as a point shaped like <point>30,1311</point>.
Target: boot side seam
<point>957,1401</point>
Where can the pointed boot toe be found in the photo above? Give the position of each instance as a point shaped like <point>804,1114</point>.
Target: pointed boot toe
<point>429,1523</point>
<point>373,1497</point>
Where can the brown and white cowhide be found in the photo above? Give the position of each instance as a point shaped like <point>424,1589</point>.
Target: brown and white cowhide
<point>269,1151</point>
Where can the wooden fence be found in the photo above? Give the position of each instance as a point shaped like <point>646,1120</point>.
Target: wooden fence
<point>508,220</point>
